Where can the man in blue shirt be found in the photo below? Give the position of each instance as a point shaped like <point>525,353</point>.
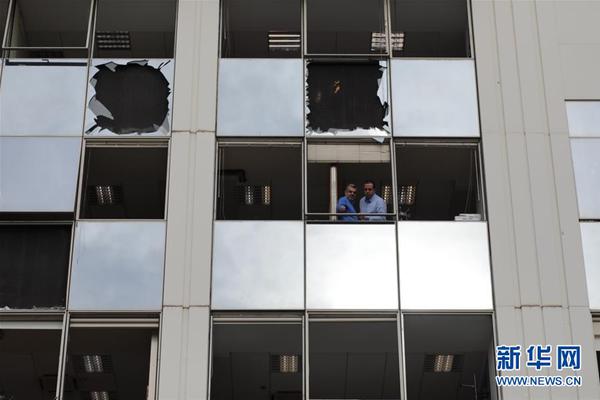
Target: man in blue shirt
<point>344,204</point>
<point>372,203</point>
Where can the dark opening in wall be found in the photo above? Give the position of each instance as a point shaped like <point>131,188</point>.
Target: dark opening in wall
<point>261,28</point>
<point>439,182</point>
<point>261,182</point>
<point>432,28</point>
<point>124,182</point>
<point>128,29</point>
<point>345,96</point>
<point>34,263</point>
<point>346,27</point>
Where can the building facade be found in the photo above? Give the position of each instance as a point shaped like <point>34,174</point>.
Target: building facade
<point>179,233</point>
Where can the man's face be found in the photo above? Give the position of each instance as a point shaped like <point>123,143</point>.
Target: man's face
<point>369,190</point>
<point>350,193</point>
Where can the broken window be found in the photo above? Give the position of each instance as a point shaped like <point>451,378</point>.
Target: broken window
<point>348,97</point>
<point>257,361</point>
<point>333,169</point>
<point>34,263</point>
<point>433,28</point>
<point>49,29</point>
<point>28,361</point>
<point>438,181</point>
<point>130,98</point>
<point>110,363</point>
<point>124,182</point>
<point>353,359</point>
<point>346,27</point>
<point>448,357</point>
<point>260,181</point>
<point>261,28</point>
<point>126,29</point>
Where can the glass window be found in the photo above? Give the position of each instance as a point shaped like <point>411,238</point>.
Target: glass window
<point>353,359</point>
<point>586,165</point>
<point>128,29</point>
<point>34,263</point>
<point>261,182</point>
<point>447,356</point>
<point>346,27</point>
<point>109,363</point>
<point>439,182</point>
<point>124,182</point>
<point>257,361</point>
<point>29,363</point>
<point>261,28</point>
<point>348,97</point>
<point>584,118</point>
<point>430,28</point>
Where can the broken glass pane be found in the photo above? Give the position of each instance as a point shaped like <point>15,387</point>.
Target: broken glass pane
<point>347,98</point>
<point>130,98</point>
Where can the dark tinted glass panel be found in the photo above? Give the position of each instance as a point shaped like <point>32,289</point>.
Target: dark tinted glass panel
<point>447,356</point>
<point>257,362</point>
<point>354,360</point>
<point>34,262</point>
<point>107,363</point>
<point>430,28</point>
<point>261,28</point>
<point>124,183</point>
<point>29,364</point>
<point>260,183</point>
<point>141,28</point>
<point>346,27</point>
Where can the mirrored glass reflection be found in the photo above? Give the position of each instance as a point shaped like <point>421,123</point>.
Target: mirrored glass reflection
<point>260,97</point>
<point>42,97</point>
<point>118,266</point>
<point>456,254</point>
<point>434,98</point>
<point>351,267</point>
<point>258,265</point>
<point>590,238</point>
<point>38,174</point>
<point>584,118</point>
<point>586,164</point>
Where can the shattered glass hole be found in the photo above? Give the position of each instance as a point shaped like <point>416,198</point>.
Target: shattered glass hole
<point>130,98</point>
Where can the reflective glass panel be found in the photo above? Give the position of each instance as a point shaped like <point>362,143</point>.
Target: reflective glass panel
<point>447,357</point>
<point>434,98</point>
<point>107,363</point>
<point>353,360</point>
<point>42,97</point>
<point>118,266</point>
<point>351,267</point>
<point>584,118</point>
<point>590,238</point>
<point>456,254</point>
<point>260,98</point>
<point>38,174</point>
<point>586,164</point>
<point>256,361</point>
<point>258,265</point>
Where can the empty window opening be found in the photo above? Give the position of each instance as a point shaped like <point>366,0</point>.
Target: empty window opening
<point>353,360</point>
<point>447,356</point>
<point>3,15</point>
<point>257,361</point>
<point>130,98</point>
<point>439,182</point>
<point>124,182</point>
<point>434,28</point>
<point>128,29</point>
<point>261,29</point>
<point>260,182</point>
<point>29,363</point>
<point>347,97</point>
<point>39,24</point>
<point>34,262</point>
<point>353,181</point>
<point>346,27</point>
<point>109,363</point>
